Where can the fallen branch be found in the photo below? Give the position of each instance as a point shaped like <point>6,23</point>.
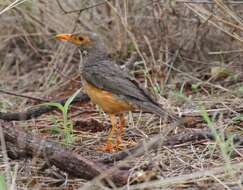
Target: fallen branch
<point>22,144</point>
<point>39,110</point>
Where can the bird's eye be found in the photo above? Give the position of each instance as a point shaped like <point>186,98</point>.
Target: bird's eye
<point>80,38</point>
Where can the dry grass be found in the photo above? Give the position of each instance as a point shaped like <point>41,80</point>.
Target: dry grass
<point>190,53</point>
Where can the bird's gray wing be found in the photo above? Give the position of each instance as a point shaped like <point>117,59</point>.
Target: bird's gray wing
<point>110,77</point>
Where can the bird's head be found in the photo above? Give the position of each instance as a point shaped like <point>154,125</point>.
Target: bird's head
<point>86,41</point>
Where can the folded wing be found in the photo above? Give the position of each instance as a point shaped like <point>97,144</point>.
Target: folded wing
<point>108,76</point>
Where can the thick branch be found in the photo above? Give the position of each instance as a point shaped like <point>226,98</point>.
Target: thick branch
<point>22,144</point>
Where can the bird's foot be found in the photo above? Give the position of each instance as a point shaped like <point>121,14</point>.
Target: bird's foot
<point>107,147</point>
<point>118,142</point>
<point>110,147</point>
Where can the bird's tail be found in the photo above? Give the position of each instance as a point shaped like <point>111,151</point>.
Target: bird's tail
<point>159,111</point>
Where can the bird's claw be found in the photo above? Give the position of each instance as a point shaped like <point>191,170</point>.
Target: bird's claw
<point>108,147</point>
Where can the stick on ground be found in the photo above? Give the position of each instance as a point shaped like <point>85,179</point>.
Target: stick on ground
<point>41,109</point>
<point>22,144</point>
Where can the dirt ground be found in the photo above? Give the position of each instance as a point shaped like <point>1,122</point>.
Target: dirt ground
<point>188,54</point>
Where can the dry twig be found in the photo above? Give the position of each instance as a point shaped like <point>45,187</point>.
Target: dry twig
<point>39,110</point>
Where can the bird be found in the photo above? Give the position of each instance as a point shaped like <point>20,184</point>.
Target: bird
<point>109,86</point>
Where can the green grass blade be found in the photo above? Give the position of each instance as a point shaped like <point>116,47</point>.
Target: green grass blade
<point>3,185</point>
<point>70,99</point>
<point>54,104</point>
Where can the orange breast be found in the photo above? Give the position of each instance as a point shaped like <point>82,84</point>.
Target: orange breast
<point>106,100</point>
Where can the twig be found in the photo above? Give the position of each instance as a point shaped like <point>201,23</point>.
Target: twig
<point>207,2</point>
<point>79,10</point>
<point>23,96</point>
<point>12,5</point>
<point>5,156</point>
<point>170,141</point>
<point>170,182</point>
<point>211,112</point>
<point>41,109</point>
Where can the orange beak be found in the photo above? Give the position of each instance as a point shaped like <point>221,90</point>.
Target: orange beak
<point>68,37</point>
<point>64,37</point>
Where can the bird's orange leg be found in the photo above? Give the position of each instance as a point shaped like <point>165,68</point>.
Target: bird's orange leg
<point>121,127</point>
<point>109,146</point>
